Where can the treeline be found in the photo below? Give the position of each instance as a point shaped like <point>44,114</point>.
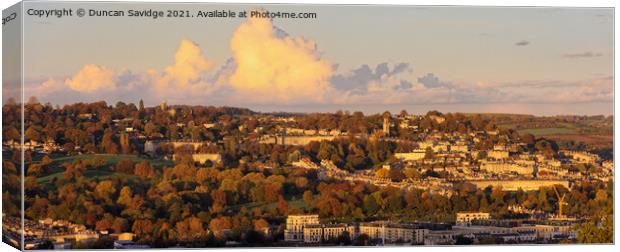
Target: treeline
<point>97,127</point>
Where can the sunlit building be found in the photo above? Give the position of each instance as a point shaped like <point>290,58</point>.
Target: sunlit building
<point>295,226</point>
<point>466,218</point>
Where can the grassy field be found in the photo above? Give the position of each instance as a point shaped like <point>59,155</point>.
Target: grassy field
<point>594,141</point>
<point>112,159</point>
<point>101,174</point>
<point>548,131</point>
<point>56,170</point>
<point>567,132</point>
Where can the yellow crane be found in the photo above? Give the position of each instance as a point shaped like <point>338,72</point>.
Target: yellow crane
<point>561,203</point>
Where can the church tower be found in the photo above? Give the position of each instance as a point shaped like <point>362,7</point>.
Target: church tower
<point>386,123</point>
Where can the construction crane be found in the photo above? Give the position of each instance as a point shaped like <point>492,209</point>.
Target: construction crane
<point>561,203</point>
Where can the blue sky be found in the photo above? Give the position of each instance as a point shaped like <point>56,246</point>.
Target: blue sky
<point>370,58</point>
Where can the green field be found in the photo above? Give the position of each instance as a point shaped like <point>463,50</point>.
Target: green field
<point>55,169</point>
<point>112,159</point>
<point>548,131</point>
<point>101,174</point>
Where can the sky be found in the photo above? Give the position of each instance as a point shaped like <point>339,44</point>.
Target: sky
<point>542,61</point>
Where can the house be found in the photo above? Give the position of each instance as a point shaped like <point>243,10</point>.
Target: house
<point>466,218</point>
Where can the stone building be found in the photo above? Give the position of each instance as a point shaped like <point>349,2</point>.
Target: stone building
<point>295,226</point>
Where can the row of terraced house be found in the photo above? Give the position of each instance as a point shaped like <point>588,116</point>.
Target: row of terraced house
<point>308,229</point>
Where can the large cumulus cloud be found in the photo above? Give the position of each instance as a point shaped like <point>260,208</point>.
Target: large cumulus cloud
<point>92,78</point>
<point>188,68</point>
<point>273,66</point>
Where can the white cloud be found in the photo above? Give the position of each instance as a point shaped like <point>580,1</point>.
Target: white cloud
<point>189,68</point>
<point>272,67</point>
<point>92,78</point>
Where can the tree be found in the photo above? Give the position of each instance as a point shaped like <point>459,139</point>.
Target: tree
<point>411,173</point>
<point>219,224</point>
<point>219,200</point>
<point>282,206</point>
<point>36,170</point>
<point>105,190</point>
<point>46,160</point>
<point>326,151</point>
<point>344,238</point>
<point>497,195</point>
<point>142,227</point>
<point>149,128</point>
<point>362,240</point>
<point>546,147</point>
<point>301,182</point>
<point>11,133</point>
<point>32,134</point>
<point>370,205</point>
<point>601,231</point>
<point>126,196</point>
<point>124,141</point>
<point>30,185</point>
<point>462,240</point>
<point>308,197</point>
<point>105,223</point>
<point>528,138</point>
<point>428,153</point>
<point>74,171</point>
<point>108,144</point>
<point>260,224</point>
<point>120,225</point>
<point>396,174</point>
<point>230,145</point>
<point>144,169</point>
<point>125,166</point>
